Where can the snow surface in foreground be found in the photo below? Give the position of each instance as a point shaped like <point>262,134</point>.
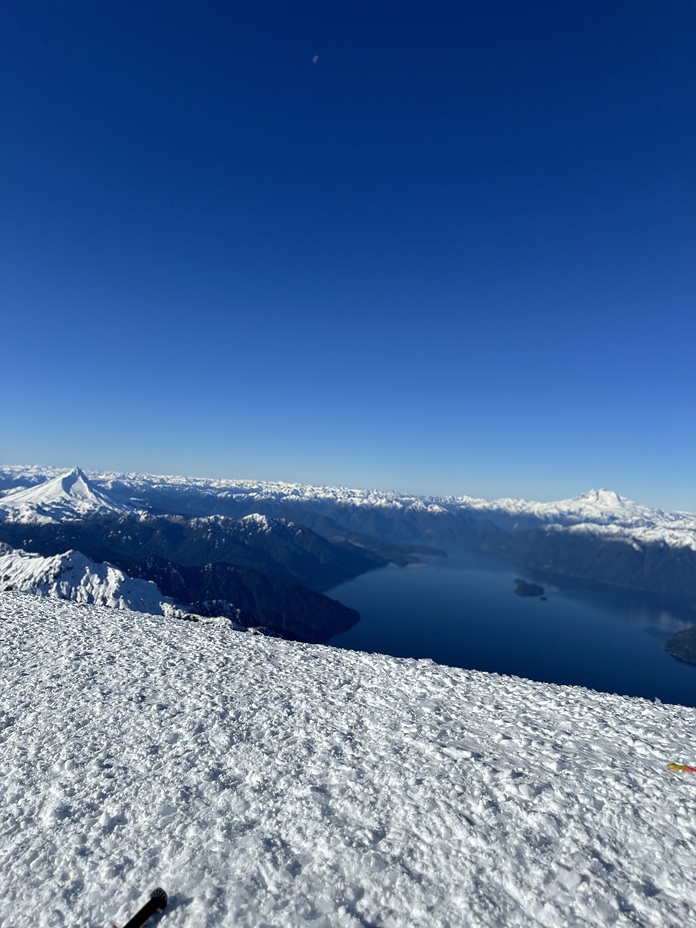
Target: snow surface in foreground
<point>269,783</point>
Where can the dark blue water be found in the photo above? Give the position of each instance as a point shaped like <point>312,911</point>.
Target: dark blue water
<point>463,611</point>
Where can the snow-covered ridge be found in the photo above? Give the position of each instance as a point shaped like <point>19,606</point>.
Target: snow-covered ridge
<point>78,578</point>
<point>605,513</point>
<point>263,782</point>
<point>74,577</point>
<point>255,522</point>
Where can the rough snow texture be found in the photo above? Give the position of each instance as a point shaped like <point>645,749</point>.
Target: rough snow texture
<point>269,783</point>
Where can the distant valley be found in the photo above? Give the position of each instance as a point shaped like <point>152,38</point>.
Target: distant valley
<point>265,552</point>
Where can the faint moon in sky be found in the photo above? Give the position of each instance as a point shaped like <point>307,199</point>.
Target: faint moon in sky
<point>315,58</point>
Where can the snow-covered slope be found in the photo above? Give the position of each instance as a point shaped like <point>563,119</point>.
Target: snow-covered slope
<point>60,498</point>
<point>263,782</point>
<point>73,576</point>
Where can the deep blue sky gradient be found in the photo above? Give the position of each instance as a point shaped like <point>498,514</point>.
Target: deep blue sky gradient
<point>456,254</point>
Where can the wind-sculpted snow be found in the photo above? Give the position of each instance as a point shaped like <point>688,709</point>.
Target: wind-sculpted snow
<point>264,782</point>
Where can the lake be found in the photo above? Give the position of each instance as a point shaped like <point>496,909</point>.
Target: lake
<point>462,610</point>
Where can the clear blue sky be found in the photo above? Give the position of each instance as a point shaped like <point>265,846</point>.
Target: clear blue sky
<point>455,253</point>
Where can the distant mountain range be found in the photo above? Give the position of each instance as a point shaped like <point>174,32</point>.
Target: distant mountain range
<point>72,538</point>
<point>253,546</point>
<point>39,494</point>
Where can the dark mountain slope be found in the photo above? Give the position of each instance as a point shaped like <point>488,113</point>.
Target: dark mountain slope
<point>654,568</point>
<point>281,549</point>
<point>250,597</point>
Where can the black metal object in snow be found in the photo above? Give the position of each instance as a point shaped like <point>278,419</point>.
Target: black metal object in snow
<point>157,900</point>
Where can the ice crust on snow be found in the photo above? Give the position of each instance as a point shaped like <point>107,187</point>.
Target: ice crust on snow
<point>269,783</point>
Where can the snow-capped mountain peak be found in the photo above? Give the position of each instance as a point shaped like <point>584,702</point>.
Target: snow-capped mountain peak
<point>607,506</point>
<point>76,484</point>
<point>604,498</point>
<point>65,497</point>
<point>602,511</point>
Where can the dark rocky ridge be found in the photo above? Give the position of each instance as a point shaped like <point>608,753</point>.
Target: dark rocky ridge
<point>250,597</point>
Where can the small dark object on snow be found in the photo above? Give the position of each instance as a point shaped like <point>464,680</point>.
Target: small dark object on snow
<point>158,900</point>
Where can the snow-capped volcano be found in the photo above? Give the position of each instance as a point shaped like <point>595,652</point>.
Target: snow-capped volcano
<point>601,506</point>
<point>657,547</point>
<point>63,498</point>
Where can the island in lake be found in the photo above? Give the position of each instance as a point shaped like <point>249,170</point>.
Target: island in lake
<point>525,588</point>
<point>683,645</point>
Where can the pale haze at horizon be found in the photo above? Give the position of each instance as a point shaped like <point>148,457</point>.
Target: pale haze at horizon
<point>441,251</point>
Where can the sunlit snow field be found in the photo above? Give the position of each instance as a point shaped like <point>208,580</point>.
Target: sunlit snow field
<point>269,783</point>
